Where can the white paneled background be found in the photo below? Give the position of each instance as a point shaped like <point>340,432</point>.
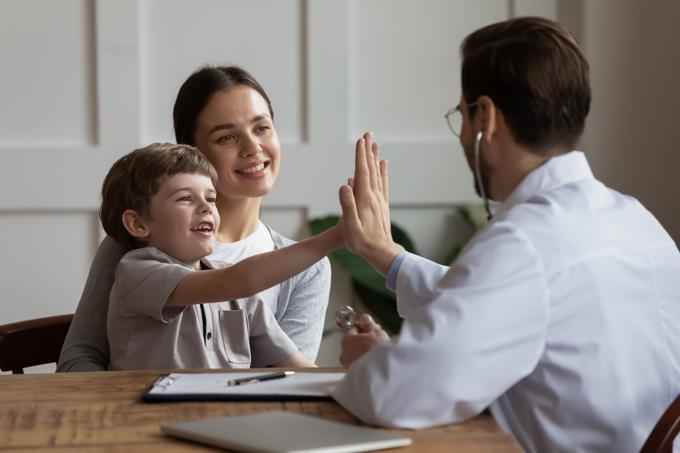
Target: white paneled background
<point>85,81</point>
<point>48,81</point>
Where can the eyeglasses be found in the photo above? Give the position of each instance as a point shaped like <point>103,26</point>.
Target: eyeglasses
<point>454,118</point>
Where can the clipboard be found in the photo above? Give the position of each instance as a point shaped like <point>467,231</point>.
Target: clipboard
<point>302,386</point>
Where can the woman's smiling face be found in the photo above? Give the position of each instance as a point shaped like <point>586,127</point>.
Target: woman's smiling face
<point>236,133</point>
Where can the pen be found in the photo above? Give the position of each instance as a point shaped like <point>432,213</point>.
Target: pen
<point>263,377</point>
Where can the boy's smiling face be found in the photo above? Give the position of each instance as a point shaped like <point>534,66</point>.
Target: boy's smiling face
<point>184,220</point>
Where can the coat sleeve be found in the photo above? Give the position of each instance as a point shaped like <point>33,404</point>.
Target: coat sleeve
<point>424,277</point>
<point>463,343</point>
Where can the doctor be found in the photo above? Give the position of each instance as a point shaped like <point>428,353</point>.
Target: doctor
<point>563,314</point>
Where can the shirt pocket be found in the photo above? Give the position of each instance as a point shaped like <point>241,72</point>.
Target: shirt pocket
<point>235,336</point>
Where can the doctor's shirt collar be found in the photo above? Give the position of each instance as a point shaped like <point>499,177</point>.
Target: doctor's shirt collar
<point>556,172</point>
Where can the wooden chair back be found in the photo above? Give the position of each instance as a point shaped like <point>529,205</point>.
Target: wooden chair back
<point>32,342</point>
<point>660,440</point>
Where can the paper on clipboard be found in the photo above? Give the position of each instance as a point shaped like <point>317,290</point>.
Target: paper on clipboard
<point>213,387</point>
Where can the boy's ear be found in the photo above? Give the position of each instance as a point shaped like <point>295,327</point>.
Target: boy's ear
<point>135,224</point>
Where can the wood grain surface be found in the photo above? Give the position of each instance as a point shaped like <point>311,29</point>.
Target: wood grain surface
<point>103,412</point>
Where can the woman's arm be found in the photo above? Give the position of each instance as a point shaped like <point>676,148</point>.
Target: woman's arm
<point>254,274</point>
<point>297,360</point>
<point>86,347</point>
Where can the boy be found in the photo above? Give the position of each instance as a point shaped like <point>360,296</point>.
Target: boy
<point>159,202</point>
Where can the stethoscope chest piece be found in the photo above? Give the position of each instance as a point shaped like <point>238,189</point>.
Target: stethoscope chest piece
<point>345,317</point>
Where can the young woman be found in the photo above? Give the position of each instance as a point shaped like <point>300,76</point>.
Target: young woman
<point>227,115</point>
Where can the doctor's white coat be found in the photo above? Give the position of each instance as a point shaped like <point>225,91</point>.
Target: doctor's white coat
<point>563,315</point>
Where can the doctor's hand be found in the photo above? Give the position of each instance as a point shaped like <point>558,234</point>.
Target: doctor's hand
<point>359,339</point>
<point>365,208</point>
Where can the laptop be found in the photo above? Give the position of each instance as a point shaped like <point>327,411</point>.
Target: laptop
<point>283,432</point>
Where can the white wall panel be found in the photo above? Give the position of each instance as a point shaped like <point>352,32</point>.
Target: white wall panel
<point>85,81</point>
<point>101,76</point>
<point>327,81</point>
<point>47,90</point>
<point>264,37</point>
<point>45,258</point>
<point>543,8</point>
<point>118,89</point>
<point>405,64</point>
<point>290,222</point>
<point>54,178</point>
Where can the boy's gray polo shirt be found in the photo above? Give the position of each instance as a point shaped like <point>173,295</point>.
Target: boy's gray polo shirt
<point>300,310</point>
<point>143,333</point>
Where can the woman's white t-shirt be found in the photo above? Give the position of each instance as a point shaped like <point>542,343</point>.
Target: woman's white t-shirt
<point>258,242</point>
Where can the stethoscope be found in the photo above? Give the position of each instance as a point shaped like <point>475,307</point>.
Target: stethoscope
<point>346,317</point>
<point>478,175</point>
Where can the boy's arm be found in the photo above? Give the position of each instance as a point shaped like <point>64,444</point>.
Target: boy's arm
<point>254,274</point>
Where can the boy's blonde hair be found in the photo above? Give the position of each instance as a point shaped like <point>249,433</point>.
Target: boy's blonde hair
<point>136,177</point>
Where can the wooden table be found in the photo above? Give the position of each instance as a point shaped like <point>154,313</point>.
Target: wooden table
<point>102,411</point>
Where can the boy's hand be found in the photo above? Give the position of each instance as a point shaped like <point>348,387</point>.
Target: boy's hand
<point>358,340</point>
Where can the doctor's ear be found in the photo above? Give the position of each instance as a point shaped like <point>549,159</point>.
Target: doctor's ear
<point>135,224</point>
<point>488,113</point>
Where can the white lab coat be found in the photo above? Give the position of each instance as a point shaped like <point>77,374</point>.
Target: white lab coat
<point>563,315</point>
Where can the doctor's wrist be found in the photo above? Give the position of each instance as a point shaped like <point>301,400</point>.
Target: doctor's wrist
<point>381,256</point>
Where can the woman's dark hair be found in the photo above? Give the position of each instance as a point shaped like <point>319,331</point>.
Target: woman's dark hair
<point>533,70</point>
<point>197,91</point>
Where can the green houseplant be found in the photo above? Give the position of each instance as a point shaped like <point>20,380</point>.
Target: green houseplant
<point>369,285</point>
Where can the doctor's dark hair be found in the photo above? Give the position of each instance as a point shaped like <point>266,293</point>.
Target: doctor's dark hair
<point>533,70</point>
<point>199,88</point>
<point>136,177</point>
